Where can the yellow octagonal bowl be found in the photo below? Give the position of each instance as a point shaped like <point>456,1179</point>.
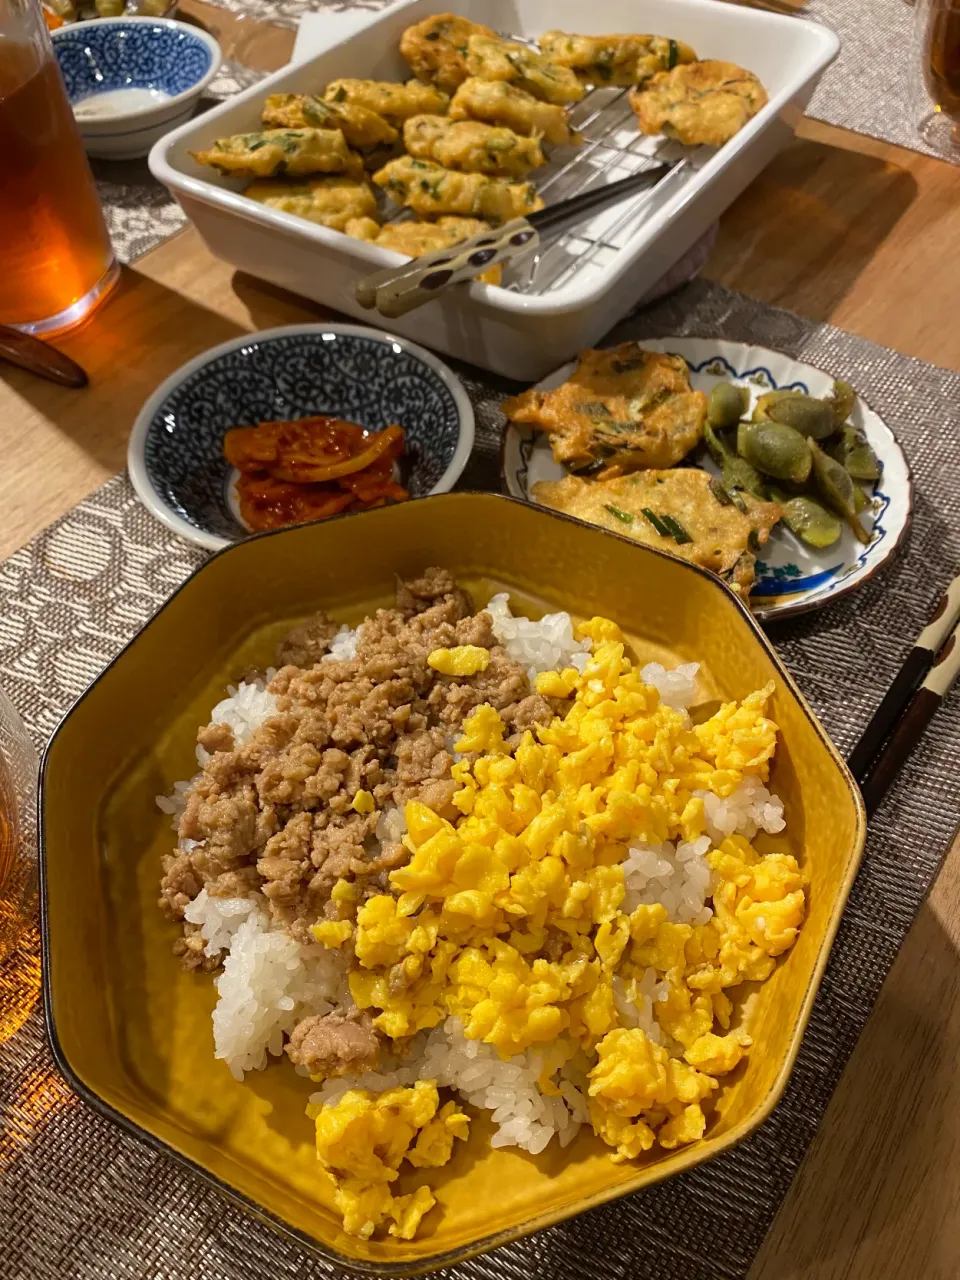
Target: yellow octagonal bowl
<point>131,1030</point>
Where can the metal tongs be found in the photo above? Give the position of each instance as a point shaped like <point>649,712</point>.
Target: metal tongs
<point>397,290</point>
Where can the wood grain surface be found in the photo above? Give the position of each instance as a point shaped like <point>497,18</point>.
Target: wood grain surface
<point>839,228</point>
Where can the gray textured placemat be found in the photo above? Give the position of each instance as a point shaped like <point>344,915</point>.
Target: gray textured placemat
<point>869,87</point>
<point>80,1199</point>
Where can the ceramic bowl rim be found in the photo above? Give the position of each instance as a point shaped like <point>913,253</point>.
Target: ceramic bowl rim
<point>145,112</point>
<point>136,464</point>
<point>688,1157</point>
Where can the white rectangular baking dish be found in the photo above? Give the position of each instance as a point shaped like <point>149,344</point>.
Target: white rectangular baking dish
<point>520,335</point>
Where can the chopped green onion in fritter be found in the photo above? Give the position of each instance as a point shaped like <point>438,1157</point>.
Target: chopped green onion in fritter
<point>618,513</point>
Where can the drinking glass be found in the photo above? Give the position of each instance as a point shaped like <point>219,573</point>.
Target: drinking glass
<point>56,262</point>
<point>936,89</point>
<point>18,831</point>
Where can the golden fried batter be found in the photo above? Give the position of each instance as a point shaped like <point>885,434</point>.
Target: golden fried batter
<point>363,229</point>
<point>497,102</point>
<point>429,189</point>
<point>292,153</point>
<point>414,238</point>
<point>614,59</point>
<point>491,58</point>
<point>699,102</point>
<point>395,101</point>
<point>333,202</point>
<point>360,127</point>
<point>436,49</point>
<point>471,146</point>
<point>722,538</point>
<point>623,409</point>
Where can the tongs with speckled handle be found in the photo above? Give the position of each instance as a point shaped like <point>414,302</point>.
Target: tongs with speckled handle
<point>398,290</point>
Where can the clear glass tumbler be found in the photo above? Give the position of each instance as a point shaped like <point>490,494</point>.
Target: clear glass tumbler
<point>18,828</point>
<point>935,83</point>
<point>56,261</point>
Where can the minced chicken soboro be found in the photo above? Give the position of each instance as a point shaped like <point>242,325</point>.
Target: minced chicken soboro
<point>468,857</point>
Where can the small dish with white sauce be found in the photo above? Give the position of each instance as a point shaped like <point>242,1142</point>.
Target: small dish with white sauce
<point>131,80</point>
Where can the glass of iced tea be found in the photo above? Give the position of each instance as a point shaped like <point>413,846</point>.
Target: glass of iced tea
<point>56,262</point>
<point>936,91</point>
<point>18,833</point>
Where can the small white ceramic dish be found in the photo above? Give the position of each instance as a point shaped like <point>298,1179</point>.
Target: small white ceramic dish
<point>791,577</point>
<point>132,80</point>
<point>175,456</point>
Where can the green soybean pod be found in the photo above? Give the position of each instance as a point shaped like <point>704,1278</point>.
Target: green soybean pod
<point>804,516</point>
<point>810,417</point>
<point>727,404</point>
<point>761,410</point>
<point>842,401</point>
<point>736,473</point>
<point>855,455</point>
<point>837,489</point>
<point>775,449</point>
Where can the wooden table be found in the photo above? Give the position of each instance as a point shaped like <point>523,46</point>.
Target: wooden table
<point>840,228</point>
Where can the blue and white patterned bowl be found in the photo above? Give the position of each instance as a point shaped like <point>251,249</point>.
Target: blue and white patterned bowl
<point>175,457</point>
<point>131,80</point>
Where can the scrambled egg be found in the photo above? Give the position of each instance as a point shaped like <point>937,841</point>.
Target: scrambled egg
<point>463,660</point>
<point>512,918</point>
<point>361,1141</point>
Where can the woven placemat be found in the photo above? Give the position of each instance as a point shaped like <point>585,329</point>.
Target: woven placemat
<point>869,88</point>
<point>80,1199</point>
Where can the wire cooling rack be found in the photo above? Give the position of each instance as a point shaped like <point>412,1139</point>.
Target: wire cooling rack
<point>612,148</point>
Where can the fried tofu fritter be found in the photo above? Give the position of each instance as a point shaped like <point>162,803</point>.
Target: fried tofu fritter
<point>332,202</point>
<point>496,102</point>
<point>293,153</point>
<point>623,409</point>
<point>436,49</point>
<point>491,58</point>
<point>360,127</point>
<point>615,59</point>
<point>429,189</point>
<point>414,238</point>
<point>698,103</point>
<point>471,146</point>
<point>363,229</point>
<point>397,102</point>
<point>702,527</point>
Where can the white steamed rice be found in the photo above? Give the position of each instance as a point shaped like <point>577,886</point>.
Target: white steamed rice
<point>677,687</point>
<point>524,1116</point>
<point>269,981</point>
<point>547,645</point>
<point>246,707</point>
<point>343,646</point>
<point>676,876</point>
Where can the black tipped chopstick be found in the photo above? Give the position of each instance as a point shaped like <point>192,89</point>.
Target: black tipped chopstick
<point>926,677</point>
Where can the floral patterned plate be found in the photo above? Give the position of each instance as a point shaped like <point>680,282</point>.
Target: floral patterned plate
<point>791,577</point>
<point>175,457</point>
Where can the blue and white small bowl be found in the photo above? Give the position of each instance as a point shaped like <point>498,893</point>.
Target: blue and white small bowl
<point>131,80</point>
<point>175,457</point>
